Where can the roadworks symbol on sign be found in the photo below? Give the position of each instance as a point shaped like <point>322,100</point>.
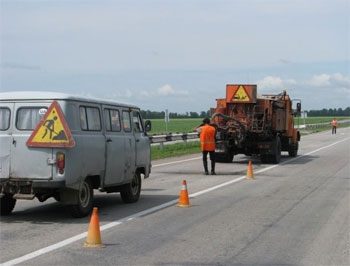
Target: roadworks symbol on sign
<point>241,95</point>
<point>52,130</point>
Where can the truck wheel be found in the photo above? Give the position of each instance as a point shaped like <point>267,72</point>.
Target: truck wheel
<point>7,204</point>
<point>293,150</point>
<point>265,158</point>
<point>85,201</point>
<point>223,157</point>
<point>276,156</point>
<point>131,192</point>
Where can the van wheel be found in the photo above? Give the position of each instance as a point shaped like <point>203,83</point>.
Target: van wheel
<point>85,200</point>
<point>7,204</point>
<point>131,192</point>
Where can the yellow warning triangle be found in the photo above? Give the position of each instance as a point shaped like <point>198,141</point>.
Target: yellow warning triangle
<point>241,95</point>
<point>52,130</point>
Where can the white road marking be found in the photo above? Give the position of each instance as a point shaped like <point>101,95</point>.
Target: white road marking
<point>151,210</point>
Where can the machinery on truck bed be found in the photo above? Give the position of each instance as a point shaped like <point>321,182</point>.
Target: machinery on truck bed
<point>255,125</point>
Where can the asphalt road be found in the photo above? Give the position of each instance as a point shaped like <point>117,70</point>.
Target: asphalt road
<point>294,213</point>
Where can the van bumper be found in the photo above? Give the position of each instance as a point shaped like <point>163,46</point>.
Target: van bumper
<point>48,184</point>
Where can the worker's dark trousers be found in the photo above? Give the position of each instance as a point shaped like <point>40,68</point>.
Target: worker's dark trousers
<point>334,130</point>
<point>205,161</point>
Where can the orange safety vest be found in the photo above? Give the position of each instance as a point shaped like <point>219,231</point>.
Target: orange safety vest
<point>334,123</point>
<point>207,138</point>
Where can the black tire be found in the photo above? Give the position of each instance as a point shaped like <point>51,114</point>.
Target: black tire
<point>265,158</point>
<point>293,150</point>
<point>223,157</point>
<point>7,204</point>
<point>130,192</point>
<point>85,201</point>
<point>276,156</point>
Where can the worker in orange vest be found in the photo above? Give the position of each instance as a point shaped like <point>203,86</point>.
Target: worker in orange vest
<point>207,137</point>
<point>334,126</point>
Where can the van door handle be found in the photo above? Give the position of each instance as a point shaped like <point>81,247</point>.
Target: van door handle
<point>109,140</point>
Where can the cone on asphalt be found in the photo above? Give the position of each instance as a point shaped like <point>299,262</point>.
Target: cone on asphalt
<point>250,174</point>
<point>93,239</point>
<point>184,200</point>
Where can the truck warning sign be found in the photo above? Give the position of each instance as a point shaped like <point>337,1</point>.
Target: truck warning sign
<point>52,130</point>
<point>241,95</point>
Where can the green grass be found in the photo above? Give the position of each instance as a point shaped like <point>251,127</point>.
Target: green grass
<point>179,125</point>
<point>173,150</point>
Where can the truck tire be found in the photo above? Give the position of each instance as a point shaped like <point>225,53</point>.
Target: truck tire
<point>293,150</point>
<point>130,192</point>
<point>7,204</point>
<point>276,156</point>
<point>265,158</point>
<point>85,200</point>
<point>223,157</point>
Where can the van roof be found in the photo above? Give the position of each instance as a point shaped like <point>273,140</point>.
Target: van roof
<point>48,95</point>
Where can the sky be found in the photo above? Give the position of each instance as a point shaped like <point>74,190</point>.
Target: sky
<point>178,54</point>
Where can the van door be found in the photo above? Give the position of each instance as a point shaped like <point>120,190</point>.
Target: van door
<point>142,149</point>
<point>26,117</point>
<point>129,155</point>
<point>5,138</point>
<point>115,146</point>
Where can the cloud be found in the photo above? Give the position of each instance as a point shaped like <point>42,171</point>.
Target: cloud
<point>269,83</point>
<point>168,90</point>
<point>328,81</point>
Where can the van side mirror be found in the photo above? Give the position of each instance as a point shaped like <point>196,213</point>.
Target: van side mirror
<point>148,125</point>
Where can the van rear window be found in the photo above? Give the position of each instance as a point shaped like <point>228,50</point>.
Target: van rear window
<point>4,118</point>
<point>28,118</point>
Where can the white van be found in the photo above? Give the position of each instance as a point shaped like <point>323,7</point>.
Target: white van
<point>64,146</point>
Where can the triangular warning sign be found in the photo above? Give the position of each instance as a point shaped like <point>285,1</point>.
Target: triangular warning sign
<point>241,95</point>
<point>52,130</point>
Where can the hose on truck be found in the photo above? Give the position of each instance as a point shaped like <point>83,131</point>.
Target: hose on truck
<point>226,117</point>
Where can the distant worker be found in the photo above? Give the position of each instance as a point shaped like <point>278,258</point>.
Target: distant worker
<point>207,138</point>
<point>334,126</point>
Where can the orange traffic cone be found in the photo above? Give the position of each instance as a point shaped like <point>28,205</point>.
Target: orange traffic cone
<point>93,239</point>
<point>183,199</point>
<point>250,174</point>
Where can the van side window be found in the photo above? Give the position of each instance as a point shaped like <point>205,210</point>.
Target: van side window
<point>112,120</point>
<point>136,119</point>
<point>4,118</point>
<point>28,118</point>
<point>126,121</point>
<point>90,118</point>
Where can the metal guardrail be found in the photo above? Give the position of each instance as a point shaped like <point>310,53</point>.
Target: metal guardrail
<point>306,126</point>
<point>161,139</point>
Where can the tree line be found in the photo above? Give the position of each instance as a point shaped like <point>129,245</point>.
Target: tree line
<point>329,112</point>
<point>312,113</point>
<point>156,115</point>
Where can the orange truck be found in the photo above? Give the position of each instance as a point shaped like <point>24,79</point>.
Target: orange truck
<point>255,125</point>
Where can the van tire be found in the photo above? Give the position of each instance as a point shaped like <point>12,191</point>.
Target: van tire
<point>7,204</point>
<point>130,192</point>
<point>85,200</point>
